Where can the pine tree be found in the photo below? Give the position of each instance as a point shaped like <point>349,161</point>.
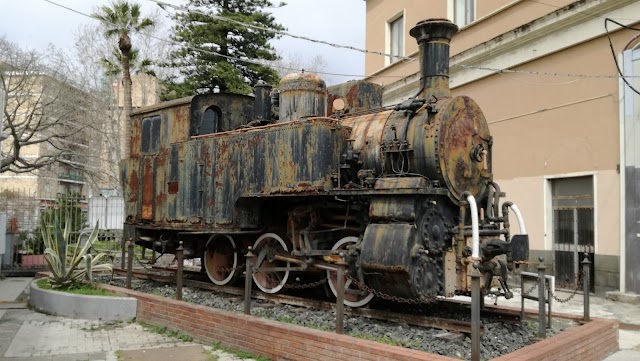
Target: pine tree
<point>202,72</point>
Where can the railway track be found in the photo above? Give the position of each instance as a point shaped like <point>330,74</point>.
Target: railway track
<point>191,279</point>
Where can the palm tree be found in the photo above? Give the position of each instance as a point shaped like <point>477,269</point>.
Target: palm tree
<point>113,64</point>
<point>119,19</point>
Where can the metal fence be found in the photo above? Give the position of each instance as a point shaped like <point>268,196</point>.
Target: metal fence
<point>25,210</point>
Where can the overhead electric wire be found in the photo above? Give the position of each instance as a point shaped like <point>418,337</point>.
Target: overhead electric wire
<point>543,73</point>
<point>277,31</point>
<point>613,52</point>
<point>228,57</point>
<point>495,70</point>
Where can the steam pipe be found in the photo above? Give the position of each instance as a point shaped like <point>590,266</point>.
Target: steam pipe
<point>515,209</point>
<point>475,232</point>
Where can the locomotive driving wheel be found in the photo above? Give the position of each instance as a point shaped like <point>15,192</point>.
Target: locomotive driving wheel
<point>353,295</point>
<point>221,259</point>
<point>265,249</point>
<point>433,231</point>
<point>426,278</point>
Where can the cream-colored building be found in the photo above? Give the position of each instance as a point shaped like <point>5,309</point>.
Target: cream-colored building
<point>563,121</point>
<point>58,111</point>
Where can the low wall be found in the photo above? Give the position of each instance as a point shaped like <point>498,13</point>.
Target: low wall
<point>280,341</point>
<point>106,308</point>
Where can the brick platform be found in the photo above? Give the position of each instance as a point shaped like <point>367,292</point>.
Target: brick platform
<point>279,341</point>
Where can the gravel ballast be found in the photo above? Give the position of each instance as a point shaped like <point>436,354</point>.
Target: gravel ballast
<point>498,339</point>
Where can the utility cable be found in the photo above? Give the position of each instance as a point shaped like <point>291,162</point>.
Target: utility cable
<point>228,57</point>
<point>495,70</point>
<point>613,52</point>
<point>277,31</point>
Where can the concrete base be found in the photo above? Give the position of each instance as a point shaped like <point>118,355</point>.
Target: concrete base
<point>631,298</point>
<point>105,308</point>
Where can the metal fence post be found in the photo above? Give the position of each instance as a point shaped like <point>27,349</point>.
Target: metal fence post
<point>340,301</point>
<point>542,327</point>
<point>248,281</point>
<point>475,313</point>
<point>123,248</point>
<point>586,274</point>
<point>179,259</point>
<point>129,262</point>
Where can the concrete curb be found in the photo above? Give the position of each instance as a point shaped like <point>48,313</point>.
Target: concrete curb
<point>105,308</point>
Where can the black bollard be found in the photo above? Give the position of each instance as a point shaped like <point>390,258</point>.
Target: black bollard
<point>248,281</point>
<point>475,312</point>
<point>586,269</point>
<point>180,260</point>
<point>542,327</point>
<point>129,262</point>
<point>340,301</point>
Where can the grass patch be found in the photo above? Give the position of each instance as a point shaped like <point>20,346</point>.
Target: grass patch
<point>239,354</point>
<point>165,331</point>
<point>111,325</point>
<point>380,339</point>
<point>76,288</point>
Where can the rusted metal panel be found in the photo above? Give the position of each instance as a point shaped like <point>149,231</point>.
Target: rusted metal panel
<point>148,188</point>
<point>178,123</point>
<point>464,136</point>
<point>366,134</point>
<point>358,95</point>
<point>174,181</point>
<point>136,131</point>
<point>234,111</point>
<point>387,246</point>
<point>160,186</point>
<point>130,177</point>
<point>393,208</point>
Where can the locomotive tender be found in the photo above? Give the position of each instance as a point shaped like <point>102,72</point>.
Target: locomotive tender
<point>390,193</point>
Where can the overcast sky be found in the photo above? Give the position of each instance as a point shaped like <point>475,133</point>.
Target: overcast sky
<point>36,23</point>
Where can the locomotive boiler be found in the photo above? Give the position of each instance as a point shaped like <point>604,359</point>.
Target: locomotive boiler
<point>400,196</point>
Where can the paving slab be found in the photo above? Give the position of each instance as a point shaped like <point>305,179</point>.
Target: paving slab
<point>29,336</point>
<point>191,353</point>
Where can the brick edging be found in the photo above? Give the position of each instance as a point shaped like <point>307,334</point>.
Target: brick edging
<point>593,341</point>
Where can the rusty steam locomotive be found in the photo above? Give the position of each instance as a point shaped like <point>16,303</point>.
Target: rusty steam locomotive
<point>401,196</point>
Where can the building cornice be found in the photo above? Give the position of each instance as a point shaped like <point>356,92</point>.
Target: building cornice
<point>561,29</point>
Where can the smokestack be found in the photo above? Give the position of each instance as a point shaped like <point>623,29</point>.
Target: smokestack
<point>262,101</point>
<point>433,37</point>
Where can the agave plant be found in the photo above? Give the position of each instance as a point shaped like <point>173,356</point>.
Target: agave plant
<point>65,257</point>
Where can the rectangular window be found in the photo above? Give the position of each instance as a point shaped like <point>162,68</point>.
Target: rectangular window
<point>396,39</point>
<point>151,134</point>
<point>463,12</point>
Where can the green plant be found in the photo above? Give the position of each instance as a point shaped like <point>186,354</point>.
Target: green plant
<point>380,339</point>
<point>163,330</point>
<point>64,259</point>
<point>77,288</point>
<point>68,208</point>
<point>239,354</point>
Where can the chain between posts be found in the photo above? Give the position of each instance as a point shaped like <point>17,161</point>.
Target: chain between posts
<point>300,286</point>
<point>384,296</point>
<point>577,288</point>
